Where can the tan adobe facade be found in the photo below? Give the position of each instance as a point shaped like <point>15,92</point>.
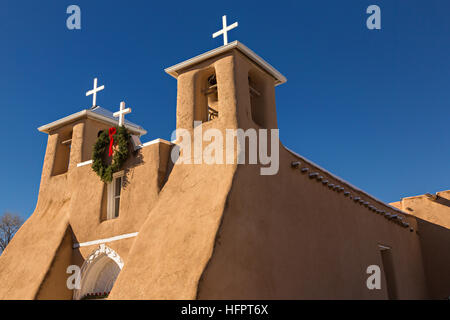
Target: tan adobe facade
<point>217,231</point>
<point>432,213</point>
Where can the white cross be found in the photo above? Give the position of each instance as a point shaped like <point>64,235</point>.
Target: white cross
<point>121,114</point>
<point>225,30</point>
<point>94,92</point>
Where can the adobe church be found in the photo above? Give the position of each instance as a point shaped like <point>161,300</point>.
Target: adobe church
<point>162,230</point>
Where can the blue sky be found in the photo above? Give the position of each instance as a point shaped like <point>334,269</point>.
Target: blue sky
<point>371,106</point>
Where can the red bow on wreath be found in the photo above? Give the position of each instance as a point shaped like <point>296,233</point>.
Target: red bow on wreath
<point>112,131</point>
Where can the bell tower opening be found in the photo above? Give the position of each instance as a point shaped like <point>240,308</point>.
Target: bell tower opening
<point>62,153</point>
<point>213,98</point>
<point>207,106</point>
<point>256,99</point>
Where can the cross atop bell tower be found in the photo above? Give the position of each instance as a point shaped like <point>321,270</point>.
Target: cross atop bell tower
<point>93,92</point>
<point>225,30</point>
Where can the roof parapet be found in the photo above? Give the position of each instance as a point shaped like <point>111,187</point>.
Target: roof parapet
<point>175,70</point>
<point>98,114</point>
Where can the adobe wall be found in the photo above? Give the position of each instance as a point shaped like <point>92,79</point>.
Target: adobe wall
<point>34,263</point>
<point>54,285</point>
<point>27,258</point>
<point>294,238</point>
<point>139,193</point>
<point>434,211</point>
<point>433,215</point>
<point>435,244</point>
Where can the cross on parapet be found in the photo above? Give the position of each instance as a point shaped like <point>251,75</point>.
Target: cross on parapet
<point>94,92</point>
<point>121,113</point>
<point>225,30</point>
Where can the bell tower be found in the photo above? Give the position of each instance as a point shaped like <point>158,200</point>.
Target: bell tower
<point>70,142</point>
<point>228,87</point>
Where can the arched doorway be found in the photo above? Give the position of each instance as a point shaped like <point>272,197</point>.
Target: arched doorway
<point>99,272</point>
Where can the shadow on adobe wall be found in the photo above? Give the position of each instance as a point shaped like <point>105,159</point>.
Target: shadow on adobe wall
<point>435,241</point>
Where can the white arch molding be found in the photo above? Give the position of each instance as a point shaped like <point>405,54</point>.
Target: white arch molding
<point>99,271</point>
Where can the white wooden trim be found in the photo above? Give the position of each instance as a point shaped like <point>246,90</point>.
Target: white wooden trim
<point>88,114</point>
<point>85,163</point>
<point>149,143</point>
<point>110,199</point>
<point>100,241</point>
<point>111,192</point>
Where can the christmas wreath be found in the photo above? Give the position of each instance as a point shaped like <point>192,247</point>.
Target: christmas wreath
<point>118,136</point>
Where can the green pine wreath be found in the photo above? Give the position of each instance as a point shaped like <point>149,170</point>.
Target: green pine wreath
<point>121,138</point>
